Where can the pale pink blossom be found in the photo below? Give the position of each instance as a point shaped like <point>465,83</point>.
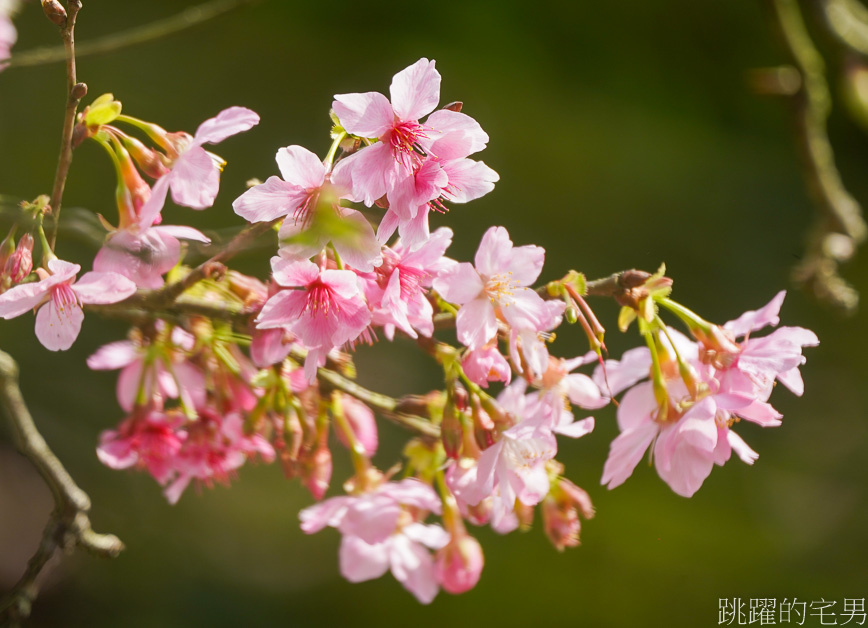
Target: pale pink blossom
<point>495,288</point>
<point>304,192</point>
<point>380,533</point>
<point>194,177</point>
<point>403,141</point>
<point>327,311</point>
<point>59,300</point>
<point>8,34</point>
<point>154,375</point>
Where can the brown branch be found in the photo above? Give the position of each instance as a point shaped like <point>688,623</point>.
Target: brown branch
<point>840,227</point>
<point>69,526</point>
<point>134,36</point>
<point>75,91</point>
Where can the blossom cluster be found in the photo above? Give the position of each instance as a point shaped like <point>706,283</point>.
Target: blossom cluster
<point>222,368</point>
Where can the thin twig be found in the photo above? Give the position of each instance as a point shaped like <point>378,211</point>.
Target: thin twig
<point>840,226</point>
<point>69,525</point>
<point>134,36</point>
<point>75,91</point>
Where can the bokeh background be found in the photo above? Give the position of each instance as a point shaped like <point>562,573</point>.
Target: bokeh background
<point>625,136</point>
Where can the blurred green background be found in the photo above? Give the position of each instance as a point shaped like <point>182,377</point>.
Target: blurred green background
<point>625,136</point>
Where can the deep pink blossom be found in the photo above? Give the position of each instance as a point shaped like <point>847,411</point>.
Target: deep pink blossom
<point>327,311</point>
<point>150,441</point>
<point>59,300</point>
<point>495,287</point>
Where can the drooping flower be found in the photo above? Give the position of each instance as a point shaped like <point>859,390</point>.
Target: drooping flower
<point>194,177</point>
<point>59,299</point>
<point>149,440</point>
<point>160,371</point>
<point>495,288</point>
<point>382,531</point>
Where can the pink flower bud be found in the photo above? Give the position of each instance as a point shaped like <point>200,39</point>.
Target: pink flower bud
<point>20,263</point>
<point>362,422</point>
<point>450,432</point>
<point>146,158</point>
<point>318,473</point>
<point>560,512</point>
<point>459,564</point>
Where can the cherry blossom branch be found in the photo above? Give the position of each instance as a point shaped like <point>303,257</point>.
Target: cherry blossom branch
<point>840,227</point>
<point>141,34</point>
<point>69,525</point>
<point>75,91</point>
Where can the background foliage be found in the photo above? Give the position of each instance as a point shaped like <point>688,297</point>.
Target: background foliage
<point>625,135</point>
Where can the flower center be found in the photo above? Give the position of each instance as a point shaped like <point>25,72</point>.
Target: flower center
<point>404,140</point>
<point>320,299</point>
<point>500,288</point>
<point>65,300</point>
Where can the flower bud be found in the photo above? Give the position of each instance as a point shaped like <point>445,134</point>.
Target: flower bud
<point>318,472</point>
<point>459,564</point>
<point>20,263</point>
<point>560,513</point>
<point>362,422</point>
<point>55,12</point>
<point>146,158</point>
<point>450,432</point>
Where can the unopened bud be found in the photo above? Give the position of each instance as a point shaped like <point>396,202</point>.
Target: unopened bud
<point>146,158</point>
<point>450,432</point>
<point>483,427</point>
<point>362,423</point>
<point>20,263</point>
<point>55,12</point>
<point>459,565</point>
<point>318,474</point>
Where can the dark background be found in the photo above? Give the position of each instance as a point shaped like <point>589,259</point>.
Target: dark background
<point>625,136</point>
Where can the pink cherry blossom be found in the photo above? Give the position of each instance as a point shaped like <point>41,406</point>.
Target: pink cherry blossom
<point>194,177</point>
<point>380,533</point>
<point>59,300</point>
<point>328,311</point>
<point>306,187</point>
<point>151,441</point>
<point>362,422</point>
<point>214,448</point>
<point>164,374</point>
<point>495,287</point>
<point>403,140</point>
<point>397,291</point>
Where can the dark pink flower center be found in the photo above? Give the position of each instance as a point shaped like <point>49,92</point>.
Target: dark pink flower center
<point>320,299</point>
<point>64,299</point>
<point>404,140</point>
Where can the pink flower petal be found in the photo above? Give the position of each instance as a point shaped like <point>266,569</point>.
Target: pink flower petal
<point>195,179</point>
<point>757,319</point>
<point>270,200</point>
<point>476,323</point>
<point>225,124</point>
<point>114,355</point>
<point>360,561</point>
<point>365,115</point>
<point>58,324</point>
<point>415,90</point>
<point>300,167</point>
<point>103,288</point>
<point>459,284</point>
